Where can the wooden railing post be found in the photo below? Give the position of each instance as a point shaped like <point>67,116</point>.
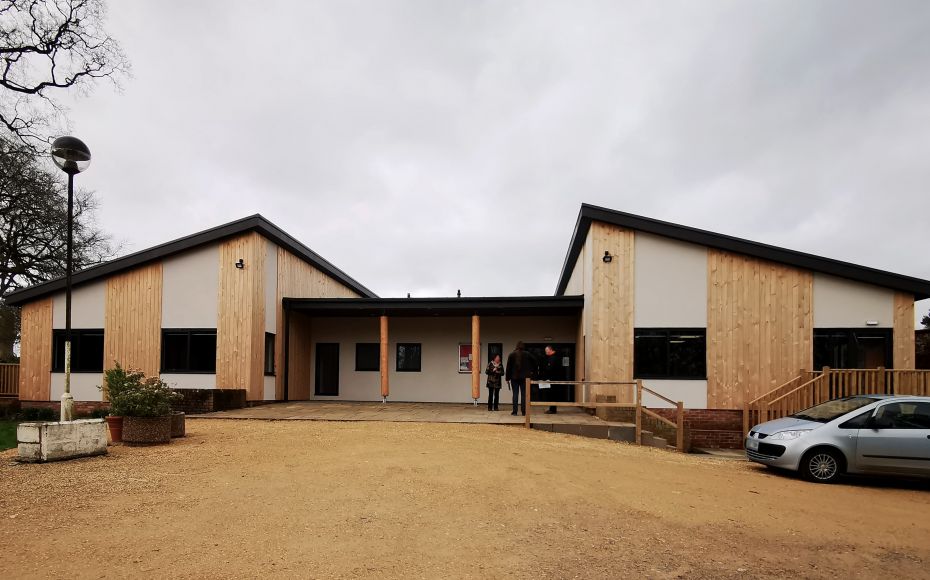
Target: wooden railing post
<point>881,380</point>
<point>825,373</point>
<point>681,427</point>
<point>639,411</point>
<point>527,400</point>
<point>745,418</point>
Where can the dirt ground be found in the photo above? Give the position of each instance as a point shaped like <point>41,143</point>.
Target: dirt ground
<point>389,500</point>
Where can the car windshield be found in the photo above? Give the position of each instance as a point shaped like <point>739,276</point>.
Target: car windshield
<point>826,412</point>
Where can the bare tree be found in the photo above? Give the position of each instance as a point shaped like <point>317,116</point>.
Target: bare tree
<point>33,220</point>
<point>47,47</point>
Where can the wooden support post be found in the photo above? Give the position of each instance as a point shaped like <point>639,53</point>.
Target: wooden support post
<point>385,385</point>
<point>639,411</point>
<point>745,418</point>
<point>475,358</point>
<point>881,381</point>
<point>527,399</point>
<point>680,430</point>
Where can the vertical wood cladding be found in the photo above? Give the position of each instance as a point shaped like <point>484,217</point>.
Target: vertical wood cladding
<point>35,357</point>
<point>240,328</point>
<point>610,341</point>
<point>904,339</point>
<point>132,319</point>
<point>298,279</point>
<point>759,327</point>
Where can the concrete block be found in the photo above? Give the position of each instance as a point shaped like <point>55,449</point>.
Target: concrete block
<point>622,433</point>
<point>594,431</point>
<point>566,428</point>
<point>55,441</point>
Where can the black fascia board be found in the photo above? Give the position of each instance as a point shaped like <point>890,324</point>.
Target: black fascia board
<point>589,213</point>
<point>487,306</point>
<point>255,223</point>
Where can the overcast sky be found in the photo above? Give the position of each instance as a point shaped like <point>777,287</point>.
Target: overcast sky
<point>428,146</point>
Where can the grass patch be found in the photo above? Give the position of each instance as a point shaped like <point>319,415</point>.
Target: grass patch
<point>8,434</point>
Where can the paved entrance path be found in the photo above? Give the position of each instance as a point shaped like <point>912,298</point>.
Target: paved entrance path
<point>400,412</point>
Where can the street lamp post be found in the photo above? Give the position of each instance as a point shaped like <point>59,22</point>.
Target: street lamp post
<point>73,157</point>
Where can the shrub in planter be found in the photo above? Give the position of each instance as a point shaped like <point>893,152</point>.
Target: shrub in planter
<point>118,382</point>
<point>146,409</point>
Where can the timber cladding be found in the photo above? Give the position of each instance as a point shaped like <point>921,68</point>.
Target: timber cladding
<point>904,338</point>
<point>610,340</point>
<point>759,326</point>
<point>240,323</point>
<point>132,319</point>
<point>35,357</point>
<point>298,279</point>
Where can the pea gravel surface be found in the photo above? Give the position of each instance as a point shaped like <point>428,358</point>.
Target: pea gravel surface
<point>309,499</point>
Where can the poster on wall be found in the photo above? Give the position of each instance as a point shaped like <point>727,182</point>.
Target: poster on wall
<point>464,358</point>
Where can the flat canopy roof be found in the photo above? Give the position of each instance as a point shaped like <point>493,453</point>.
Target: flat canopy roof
<point>484,306</point>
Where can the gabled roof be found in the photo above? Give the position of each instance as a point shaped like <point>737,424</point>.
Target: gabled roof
<point>590,213</point>
<point>254,223</point>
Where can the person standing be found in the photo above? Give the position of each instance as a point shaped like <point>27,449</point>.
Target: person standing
<point>494,371</point>
<point>552,370</point>
<point>520,366</point>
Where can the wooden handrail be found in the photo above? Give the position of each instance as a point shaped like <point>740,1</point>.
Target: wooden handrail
<point>759,398</point>
<point>666,399</point>
<point>660,418</point>
<point>791,392</point>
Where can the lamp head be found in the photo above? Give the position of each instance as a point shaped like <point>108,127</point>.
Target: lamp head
<point>70,154</point>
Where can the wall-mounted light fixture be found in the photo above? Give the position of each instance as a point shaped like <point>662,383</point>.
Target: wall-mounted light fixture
<point>607,257</point>
<point>871,323</point>
<point>240,264</point>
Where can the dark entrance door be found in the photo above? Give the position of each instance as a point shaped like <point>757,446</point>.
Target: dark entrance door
<point>565,352</point>
<point>327,369</point>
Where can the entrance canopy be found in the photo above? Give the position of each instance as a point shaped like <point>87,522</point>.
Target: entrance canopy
<point>494,306</point>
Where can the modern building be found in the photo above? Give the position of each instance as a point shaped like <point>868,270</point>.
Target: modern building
<point>704,318</point>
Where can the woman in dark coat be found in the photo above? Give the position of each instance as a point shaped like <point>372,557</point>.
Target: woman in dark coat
<point>494,371</point>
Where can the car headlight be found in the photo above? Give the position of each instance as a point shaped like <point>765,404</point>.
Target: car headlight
<point>786,435</point>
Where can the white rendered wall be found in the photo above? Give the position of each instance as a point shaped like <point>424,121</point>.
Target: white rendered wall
<point>271,287</point>
<point>83,386</point>
<point>438,380</point>
<point>190,287</point>
<point>841,303</point>
<point>87,306</point>
<point>269,392</point>
<point>189,380</point>
<point>670,283</point>
<point>692,393</point>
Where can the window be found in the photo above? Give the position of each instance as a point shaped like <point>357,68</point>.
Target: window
<point>852,348</point>
<point>905,415</point>
<point>86,351</point>
<point>367,356</point>
<point>670,353</point>
<point>408,357</point>
<point>269,354</point>
<point>189,351</point>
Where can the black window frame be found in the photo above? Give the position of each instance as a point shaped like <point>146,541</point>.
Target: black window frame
<point>851,342</point>
<point>668,333</point>
<point>77,338</point>
<point>419,347</point>
<point>189,332</point>
<point>270,339</point>
<point>374,346</point>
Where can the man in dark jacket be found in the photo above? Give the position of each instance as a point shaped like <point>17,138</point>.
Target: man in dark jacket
<point>552,370</point>
<point>520,366</point>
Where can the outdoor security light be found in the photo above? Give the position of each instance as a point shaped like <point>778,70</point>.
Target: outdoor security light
<point>240,264</point>
<point>607,257</point>
<point>70,154</point>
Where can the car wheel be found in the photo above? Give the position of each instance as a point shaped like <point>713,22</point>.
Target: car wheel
<point>822,466</point>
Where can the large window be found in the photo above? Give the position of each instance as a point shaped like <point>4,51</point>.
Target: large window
<point>852,348</point>
<point>661,353</point>
<point>367,356</point>
<point>86,351</point>
<point>408,357</point>
<point>188,351</point>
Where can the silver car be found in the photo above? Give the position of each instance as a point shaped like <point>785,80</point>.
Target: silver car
<point>879,434</point>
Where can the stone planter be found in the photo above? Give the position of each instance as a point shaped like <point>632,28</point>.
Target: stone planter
<point>116,429</point>
<point>147,430</point>
<point>54,441</point>
<point>177,425</point>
